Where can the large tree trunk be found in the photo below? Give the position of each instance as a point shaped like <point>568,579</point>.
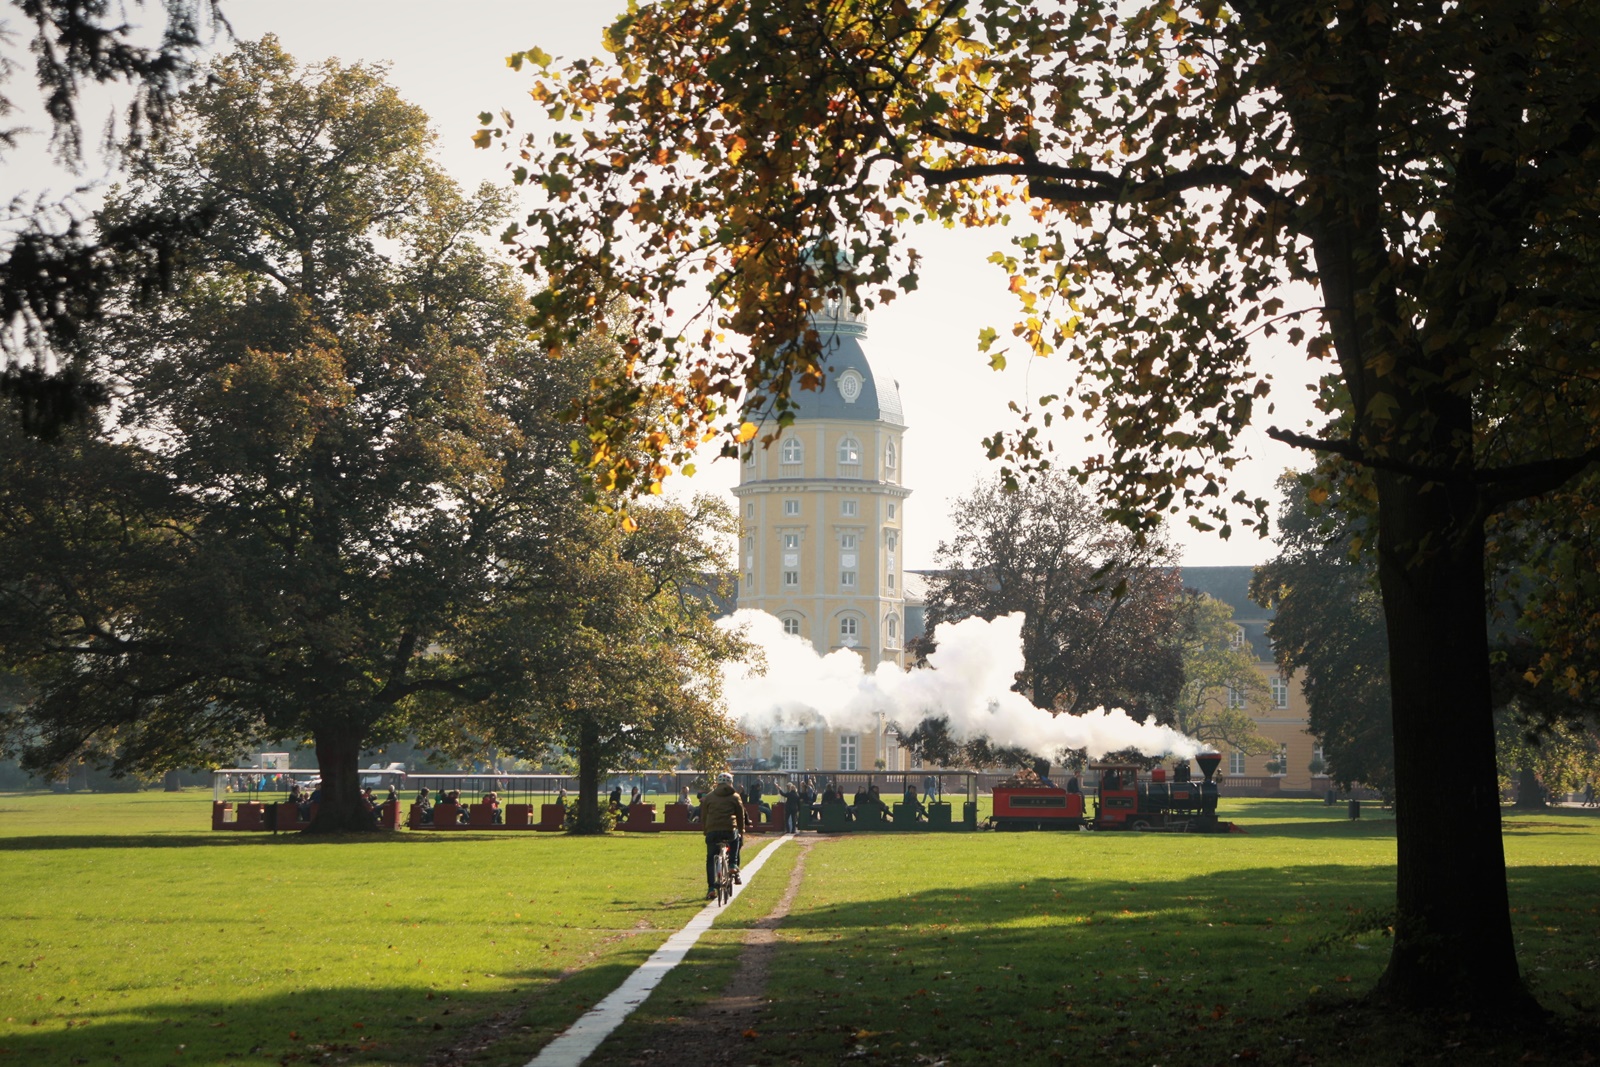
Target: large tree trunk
<point>1530,794</point>
<point>588,821</point>
<point>341,808</point>
<point>1453,947</point>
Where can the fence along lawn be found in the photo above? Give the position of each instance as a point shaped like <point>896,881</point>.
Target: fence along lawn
<point>130,930</point>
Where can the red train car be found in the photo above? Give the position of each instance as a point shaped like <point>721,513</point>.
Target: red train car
<point>1122,801</point>
<point>1036,808</point>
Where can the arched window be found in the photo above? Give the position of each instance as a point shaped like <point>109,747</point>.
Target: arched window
<point>791,626</point>
<point>891,629</point>
<point>793,450</point>
<point>850,458</point>
<point>849,631</point>
<point>889,456</point>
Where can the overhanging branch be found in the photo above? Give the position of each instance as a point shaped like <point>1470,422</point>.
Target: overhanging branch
<point>1501,485</point>
<point>1088,185</point>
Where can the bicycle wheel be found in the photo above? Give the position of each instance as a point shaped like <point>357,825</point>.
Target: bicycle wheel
<point>724,877</point>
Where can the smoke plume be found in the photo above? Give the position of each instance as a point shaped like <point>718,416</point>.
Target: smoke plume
<point>967,681</point>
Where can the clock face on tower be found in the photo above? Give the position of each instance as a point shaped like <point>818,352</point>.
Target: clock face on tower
<point>850,386</point>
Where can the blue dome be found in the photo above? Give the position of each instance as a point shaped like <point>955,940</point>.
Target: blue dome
<point>845,361</point>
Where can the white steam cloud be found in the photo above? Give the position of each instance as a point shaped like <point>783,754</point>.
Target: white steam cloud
<point>967,681</point>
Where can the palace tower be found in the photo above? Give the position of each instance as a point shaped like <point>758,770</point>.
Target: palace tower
<point>822,508</point>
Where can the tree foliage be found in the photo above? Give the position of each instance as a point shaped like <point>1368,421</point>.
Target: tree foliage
<point>1430,170</point>
<point>932,743</point>
<point>56,268</point>
<point>1538,759</point>
<point>623,671</point>
<point>1220,680</point>
<point>323,455</point>
<point>1328,629</point>
<point>1546,559</point>
<point>1100,610</point>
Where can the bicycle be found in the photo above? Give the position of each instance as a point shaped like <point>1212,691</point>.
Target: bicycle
<point>722,874</point>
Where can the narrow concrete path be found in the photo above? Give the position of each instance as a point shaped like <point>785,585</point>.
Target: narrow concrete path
<point>580,1039</point>
<point>726,1031</point>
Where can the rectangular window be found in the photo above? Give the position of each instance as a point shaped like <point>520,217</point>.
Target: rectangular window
<point>791,507</point>
<point>849,751</point>
<point>1235,698</point>
<point>847,507</point>
<point>1236,763</point>
<point>890,579</point>
<point>1280,692</point>
<point>789,757</point>
<point>791,541</point>
<point>892,509</point>
<point>847,579</point>
<point>847,542</point>
<point>791,579</point>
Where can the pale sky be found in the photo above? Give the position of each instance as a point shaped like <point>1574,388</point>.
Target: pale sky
<point>449,58</point>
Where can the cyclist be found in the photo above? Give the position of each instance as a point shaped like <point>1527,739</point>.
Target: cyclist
<point>722,815</point>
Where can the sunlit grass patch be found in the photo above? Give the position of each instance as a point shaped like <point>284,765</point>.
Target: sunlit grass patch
<point>1127,949</point>
<point>140,932</point>
<point>132,930</point>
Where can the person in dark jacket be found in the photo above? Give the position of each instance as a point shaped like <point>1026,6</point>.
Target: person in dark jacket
<point>791,808</point>
<point>723,818</point>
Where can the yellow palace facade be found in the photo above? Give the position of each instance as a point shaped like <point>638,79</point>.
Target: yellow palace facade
<point>822,509</point>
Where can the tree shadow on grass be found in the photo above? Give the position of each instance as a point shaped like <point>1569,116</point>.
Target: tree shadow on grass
<point>395,1026</point>
<point>1260,964</point>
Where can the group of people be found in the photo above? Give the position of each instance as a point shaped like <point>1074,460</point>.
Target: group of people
<point>425,805</point>
<point>801,795</point>
<point>617,806</point>
<point>724,819</point>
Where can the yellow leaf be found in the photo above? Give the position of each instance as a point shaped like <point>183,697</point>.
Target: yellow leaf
<point>481,139</point>
<point>747,430</point>
<point>1318,494</point>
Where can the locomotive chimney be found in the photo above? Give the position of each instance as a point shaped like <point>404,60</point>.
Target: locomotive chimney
<point>1208,762</point>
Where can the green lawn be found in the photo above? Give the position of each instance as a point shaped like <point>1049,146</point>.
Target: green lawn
<point>133,935</point>
<point>1128,949</point>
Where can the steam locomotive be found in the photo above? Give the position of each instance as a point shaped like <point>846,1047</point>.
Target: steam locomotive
<point>1122,801</point>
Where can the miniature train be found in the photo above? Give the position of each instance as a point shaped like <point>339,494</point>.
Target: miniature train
<point>1122,801</point>
<point>248,799</point>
